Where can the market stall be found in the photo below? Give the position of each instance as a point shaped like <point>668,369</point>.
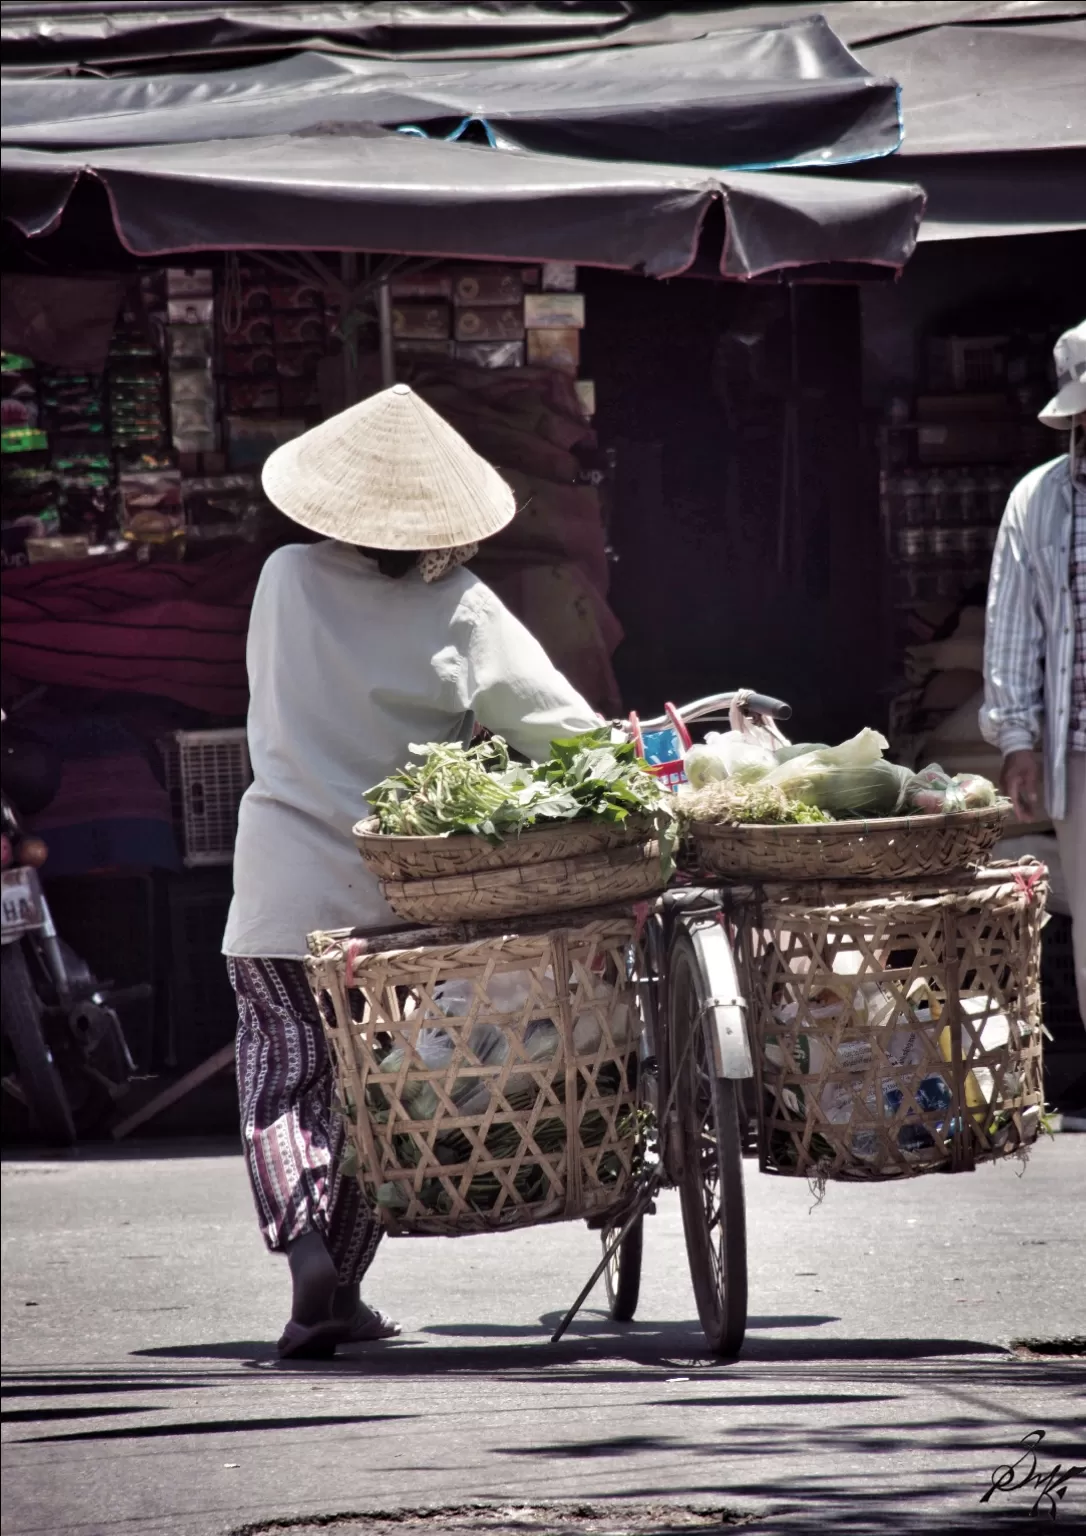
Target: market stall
<point>220,247</point>
<point>188,285</point>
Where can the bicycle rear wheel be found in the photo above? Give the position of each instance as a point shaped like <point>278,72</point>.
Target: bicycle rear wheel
<point>710,1157</point>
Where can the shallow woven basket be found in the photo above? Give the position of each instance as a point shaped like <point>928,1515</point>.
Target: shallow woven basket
<point>551,869</point>
<point>566,885</point>
<point>895,848</point>
<point>462,853</point>
<point>373,997</point>
<point>856,1080</point>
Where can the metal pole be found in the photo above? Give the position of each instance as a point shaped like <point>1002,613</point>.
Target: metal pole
<point>348,271</point>
<point>384,324</point>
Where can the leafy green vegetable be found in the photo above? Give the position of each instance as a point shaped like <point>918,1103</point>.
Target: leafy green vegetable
<point>477,789</point>
<point>455,789</point>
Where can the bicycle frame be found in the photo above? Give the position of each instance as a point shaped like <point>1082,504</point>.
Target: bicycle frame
<point>699,912</point>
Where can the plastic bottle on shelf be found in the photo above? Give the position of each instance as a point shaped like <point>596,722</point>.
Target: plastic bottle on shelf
<point>968,497</point>
<point>996,492</point>
<point>936,498</point>
<point>912,500</point>
<point>954,509</point>
<point>891,501</point>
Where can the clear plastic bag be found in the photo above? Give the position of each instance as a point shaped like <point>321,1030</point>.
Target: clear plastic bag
<point>934,792</point>
<point>727,755</point>
<point>843,789</point>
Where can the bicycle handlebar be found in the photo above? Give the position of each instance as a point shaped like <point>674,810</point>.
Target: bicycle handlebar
<point>717,703</point>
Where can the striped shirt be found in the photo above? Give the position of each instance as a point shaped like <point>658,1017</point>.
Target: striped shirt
<point>1030,643</point>
<point>1077,740</point>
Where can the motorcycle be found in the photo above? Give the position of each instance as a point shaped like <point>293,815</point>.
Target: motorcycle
<point>65,1057</point>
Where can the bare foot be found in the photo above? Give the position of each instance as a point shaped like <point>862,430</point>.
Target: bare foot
<point>313,1275</point>
<point>346,1302</point>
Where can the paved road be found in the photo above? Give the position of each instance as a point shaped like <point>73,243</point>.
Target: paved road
<point>876,1391</point>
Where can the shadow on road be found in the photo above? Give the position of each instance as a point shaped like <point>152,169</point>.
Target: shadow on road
<point>813,1455</point>
<point>675,1348</point>
<point>290,1422</point>
<point>600,1325</point>
<point>34,1159</point>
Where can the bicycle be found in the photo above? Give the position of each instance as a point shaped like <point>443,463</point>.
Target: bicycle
<point>696,1070</point>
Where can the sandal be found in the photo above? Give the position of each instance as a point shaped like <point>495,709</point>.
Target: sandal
<point>317,1342</point>
<point>369,1324</point>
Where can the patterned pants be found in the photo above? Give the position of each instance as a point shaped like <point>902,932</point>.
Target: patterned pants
<point>294,1141</point>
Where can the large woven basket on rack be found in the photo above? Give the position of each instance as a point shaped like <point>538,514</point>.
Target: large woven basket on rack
<point>896,1030</point>
<point>522,1110</point>
<point>551,869</point>
<point>894,848</point>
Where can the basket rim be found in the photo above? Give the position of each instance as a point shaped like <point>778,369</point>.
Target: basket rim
<point>632,829</point>
<point>927,822</point>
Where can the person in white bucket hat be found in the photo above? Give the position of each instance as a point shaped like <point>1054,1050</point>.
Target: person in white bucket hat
<point>1035,646</point>
<point>359,645</point>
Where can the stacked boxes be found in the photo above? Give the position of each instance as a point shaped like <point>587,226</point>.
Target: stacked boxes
<point>190,301</point>
<point>489,317</point>
<point>494,316</point>
<point>209,372</point>
<point>272,355</point>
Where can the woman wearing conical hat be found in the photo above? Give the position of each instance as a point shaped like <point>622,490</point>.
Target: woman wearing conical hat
<point>359,645</point>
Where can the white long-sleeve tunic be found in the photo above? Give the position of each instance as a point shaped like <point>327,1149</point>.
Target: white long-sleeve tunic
<point>347,669</point>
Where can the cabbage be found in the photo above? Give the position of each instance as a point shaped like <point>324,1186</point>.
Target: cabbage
<point>703,766</point>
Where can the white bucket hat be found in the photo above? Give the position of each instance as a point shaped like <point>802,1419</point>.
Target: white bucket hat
<point>1070,397</point>
<point>389,473</point>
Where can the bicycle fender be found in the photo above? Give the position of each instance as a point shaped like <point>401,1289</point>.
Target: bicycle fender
<point>725,1004</point>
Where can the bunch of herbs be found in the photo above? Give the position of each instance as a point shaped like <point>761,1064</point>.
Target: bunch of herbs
<point>480,790</point>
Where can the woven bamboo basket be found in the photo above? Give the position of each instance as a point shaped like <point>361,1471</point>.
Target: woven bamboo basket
<point>893,848</point>
<point>521,1110</point>
<point>425,858</point>
<point>564,868</point>
<point>896,1030</point>
<point>564,885</point>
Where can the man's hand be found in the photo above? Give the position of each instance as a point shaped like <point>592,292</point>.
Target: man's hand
<point>1020,781</point>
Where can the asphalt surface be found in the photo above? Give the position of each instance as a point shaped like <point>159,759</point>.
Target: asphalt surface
<point>877,1390</point>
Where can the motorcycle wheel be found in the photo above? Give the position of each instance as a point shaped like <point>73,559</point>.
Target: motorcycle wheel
<point>37,1073</point>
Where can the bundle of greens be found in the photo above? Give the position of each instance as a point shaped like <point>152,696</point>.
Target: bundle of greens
<point>730,802</point>
<point>478,789</point>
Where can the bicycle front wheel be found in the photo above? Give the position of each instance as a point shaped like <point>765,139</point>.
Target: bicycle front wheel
<point>710,1157</point>
<point>622,1277</point>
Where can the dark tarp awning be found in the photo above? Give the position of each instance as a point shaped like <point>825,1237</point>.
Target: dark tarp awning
<point>995,126</point>
<point>989,90</point>
<point>756,97</point>
<point>979,196</point>
<point>992,97</point>
<point>380,191</point>
<point>125,34</point>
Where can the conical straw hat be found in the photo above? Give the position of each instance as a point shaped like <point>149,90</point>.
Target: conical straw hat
<point>389,473</point>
